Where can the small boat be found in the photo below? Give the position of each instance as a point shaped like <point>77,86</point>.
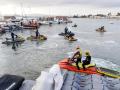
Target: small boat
<point>43,22</point>
<point>18,40</point>
<point>40,38</point>
<point>70,38</point>
<point>99,30</point>
<point>30,26</point>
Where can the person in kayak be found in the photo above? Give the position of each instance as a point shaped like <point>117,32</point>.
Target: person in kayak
<point>102,28</point>
<point>77,55</point>
<point>87,59</point>
<point>37,33</point>
<point>66,30</point>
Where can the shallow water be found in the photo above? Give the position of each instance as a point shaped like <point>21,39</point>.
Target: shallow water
<point>32,57</point>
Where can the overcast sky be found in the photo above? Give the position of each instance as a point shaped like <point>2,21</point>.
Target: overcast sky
<point>59,7</point>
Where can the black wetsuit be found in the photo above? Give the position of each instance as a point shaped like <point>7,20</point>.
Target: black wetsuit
<point>78,58</point>
<point>37,33</point>
<point>86,62</point>
<point>12,36</point>
<point>66,30</point>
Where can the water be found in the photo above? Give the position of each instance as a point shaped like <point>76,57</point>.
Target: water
<point>31,58</point>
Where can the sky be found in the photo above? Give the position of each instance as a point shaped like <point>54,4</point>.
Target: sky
<point>58,7</point>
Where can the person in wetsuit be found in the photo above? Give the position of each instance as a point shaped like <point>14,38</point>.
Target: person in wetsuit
<point>13,36</point>
<point>78,56</point>
<point>102,28</point>
<point>37,33</point>
<point>87,59</point>
<point>66,30</point>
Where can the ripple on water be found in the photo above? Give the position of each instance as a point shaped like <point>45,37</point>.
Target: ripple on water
<point>50,46</point>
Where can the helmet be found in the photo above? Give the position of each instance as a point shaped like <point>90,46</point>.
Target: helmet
<point>87,53</point>
<point>78,47</point>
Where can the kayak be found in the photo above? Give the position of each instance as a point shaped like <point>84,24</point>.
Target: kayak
<point>64,64</point>
<point>71,38</point>
<point>40,38</point>
<point>9,41</point>
<point>99,30</point>
<point>108,72</point>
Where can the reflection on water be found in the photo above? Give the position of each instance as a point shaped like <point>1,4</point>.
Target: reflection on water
<point>31,57</point>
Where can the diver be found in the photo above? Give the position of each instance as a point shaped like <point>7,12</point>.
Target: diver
<point>87,59</point>
<point>37,33</point>
<point>66,30</point>
<point>78,56</point>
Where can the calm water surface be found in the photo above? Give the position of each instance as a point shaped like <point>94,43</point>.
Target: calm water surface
<point>31,58</point>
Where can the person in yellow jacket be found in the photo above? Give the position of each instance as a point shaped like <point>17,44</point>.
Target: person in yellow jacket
<point>78,56</point>
<point>87,59</point>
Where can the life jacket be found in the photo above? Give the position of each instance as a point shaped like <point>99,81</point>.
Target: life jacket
<point>79,54</point>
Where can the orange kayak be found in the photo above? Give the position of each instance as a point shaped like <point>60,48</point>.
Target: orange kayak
<point>65,65</point>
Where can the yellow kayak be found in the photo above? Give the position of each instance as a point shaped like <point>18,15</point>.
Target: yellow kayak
<point>108,72</point>
<point>40,38</point>
<point>71,38</point>
<point>99,30</point>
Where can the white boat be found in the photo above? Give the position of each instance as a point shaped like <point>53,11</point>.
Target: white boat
<point>43,22</point>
